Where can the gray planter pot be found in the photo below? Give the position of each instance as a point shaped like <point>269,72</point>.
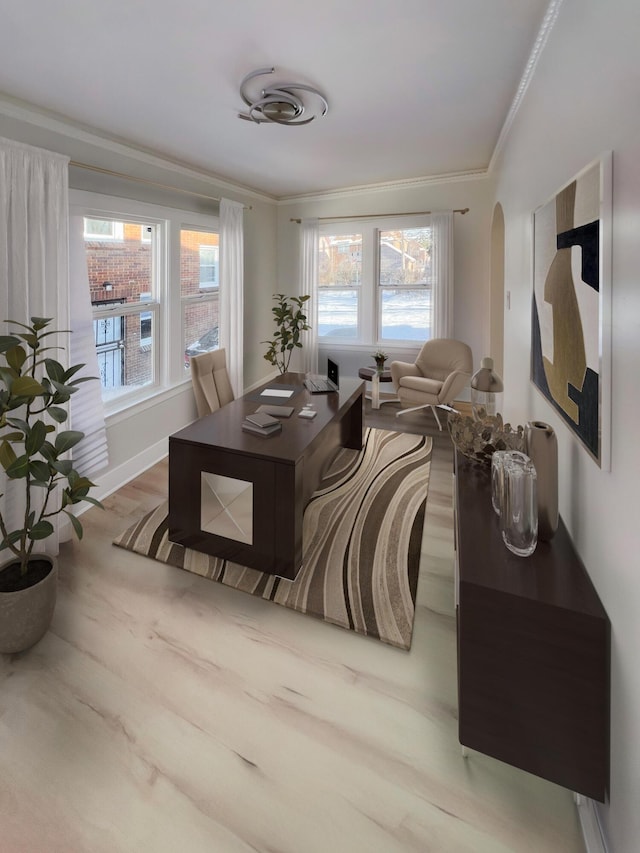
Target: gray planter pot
<point>25,615</point>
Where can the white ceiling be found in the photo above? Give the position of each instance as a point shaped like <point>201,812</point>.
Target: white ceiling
<point>416,88</point>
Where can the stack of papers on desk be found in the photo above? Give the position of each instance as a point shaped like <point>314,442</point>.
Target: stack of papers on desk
<point>276,392</point>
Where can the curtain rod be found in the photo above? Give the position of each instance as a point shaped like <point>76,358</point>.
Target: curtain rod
<point>147,181</point>
<point>461,210</point>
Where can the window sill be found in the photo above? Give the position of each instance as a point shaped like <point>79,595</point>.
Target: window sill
<point>121,412</point>
<point>395,346</point>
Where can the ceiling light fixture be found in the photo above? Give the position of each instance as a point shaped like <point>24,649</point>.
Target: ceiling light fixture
<point>279,104</point>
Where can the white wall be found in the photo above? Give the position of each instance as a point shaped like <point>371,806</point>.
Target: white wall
<point>471,243</point>
<point>583,100</point>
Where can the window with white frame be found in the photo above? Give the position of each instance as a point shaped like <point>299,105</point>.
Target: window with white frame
<point>154,290</point>
<point>124,288</point>
<point>339,285</point>
<point>404,284</point>
<point>375,283</point>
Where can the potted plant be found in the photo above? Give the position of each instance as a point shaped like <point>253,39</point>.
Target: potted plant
<point>33,392</point>
<point>290,321</point>
<point>380,357</point>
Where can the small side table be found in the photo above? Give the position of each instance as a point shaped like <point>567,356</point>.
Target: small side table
<point>371,374</point>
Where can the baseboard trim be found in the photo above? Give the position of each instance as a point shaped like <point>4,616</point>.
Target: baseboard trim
<point>120,476</point>
<point>590,825</point>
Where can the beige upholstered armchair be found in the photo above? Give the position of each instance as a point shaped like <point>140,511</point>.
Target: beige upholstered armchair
<point>441,370</point>
<point>210,379</point>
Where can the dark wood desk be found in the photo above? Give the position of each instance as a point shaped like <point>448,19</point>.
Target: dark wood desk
<point>274,476</point>
<point>533,648</point>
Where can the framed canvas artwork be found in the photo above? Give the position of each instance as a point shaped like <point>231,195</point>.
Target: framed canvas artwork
<point>571,307</point>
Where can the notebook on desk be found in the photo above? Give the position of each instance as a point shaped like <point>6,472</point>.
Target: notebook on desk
<point>324,384</point>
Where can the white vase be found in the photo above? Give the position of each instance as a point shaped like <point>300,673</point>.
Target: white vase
<point>541,445</point>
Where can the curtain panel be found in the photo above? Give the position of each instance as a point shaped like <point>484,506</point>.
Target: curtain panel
<point>232,290</point>
<point>309,237</point>
<point>91,455</point>
<point>34,217</point>
<point>442,270</point>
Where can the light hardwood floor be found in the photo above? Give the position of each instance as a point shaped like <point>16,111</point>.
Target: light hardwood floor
<point>165,712</point>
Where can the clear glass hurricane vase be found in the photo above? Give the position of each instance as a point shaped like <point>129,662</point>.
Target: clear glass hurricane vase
<point>519,515</point>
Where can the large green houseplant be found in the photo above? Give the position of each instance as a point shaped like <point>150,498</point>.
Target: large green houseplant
<point>290,322</point>
<point>34,389</point>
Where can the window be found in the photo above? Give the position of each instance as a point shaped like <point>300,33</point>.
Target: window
<point>208,266</point>
<point>109,337</point>
<point>339,282</point>
<point>102,229</point>
<point>404,284</point>
<point>154,287</point>
<point>199,279</point>
<point>123,272</point>
<point>146,321</point>
<point>374,284</point>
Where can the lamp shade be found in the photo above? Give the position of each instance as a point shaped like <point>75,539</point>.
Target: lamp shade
<point>486,379</point>
<point>486,389</point>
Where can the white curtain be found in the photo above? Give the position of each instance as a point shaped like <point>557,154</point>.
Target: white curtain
<point>34,217</point>
<point>309,236</point>
<point>91,455</point>
<point>442,272</point>
<point>232,287</point>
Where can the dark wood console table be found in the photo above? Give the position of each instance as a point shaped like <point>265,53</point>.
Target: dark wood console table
<point>241,497</point>
<point>533,648</point>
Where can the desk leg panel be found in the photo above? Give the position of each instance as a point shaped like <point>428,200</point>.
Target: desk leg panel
<point>352,425</point>
<point>187,463</point>
<point>289,511</point>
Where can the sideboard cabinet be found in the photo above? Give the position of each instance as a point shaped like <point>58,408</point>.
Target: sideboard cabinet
<point>533,648</point>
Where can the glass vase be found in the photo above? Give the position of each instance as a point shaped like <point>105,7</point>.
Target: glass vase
<point>519,515</point>
<point>497,480</point>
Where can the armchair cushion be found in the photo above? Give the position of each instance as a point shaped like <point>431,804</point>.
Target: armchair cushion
<point>423,384</point>
<point>400,369</point>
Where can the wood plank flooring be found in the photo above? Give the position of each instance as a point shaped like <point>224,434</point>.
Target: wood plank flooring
<point>165,712</point>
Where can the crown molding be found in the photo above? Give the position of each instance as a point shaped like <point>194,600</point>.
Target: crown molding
<point>368,189</point>
<point>14,108</point>
<point>543,34</point>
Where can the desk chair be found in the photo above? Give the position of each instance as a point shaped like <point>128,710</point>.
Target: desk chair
<point>210,380</point>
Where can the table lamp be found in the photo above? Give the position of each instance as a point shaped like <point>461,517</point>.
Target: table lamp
<point>486,390</point>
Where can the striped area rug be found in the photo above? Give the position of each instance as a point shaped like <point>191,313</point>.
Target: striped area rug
<point>362,535</point>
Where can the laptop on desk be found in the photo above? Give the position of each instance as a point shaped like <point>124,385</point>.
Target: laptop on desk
<point>324,384</point>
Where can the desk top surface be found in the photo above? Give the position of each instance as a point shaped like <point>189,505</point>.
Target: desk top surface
<point>222,429</point>
<point>369,372</point>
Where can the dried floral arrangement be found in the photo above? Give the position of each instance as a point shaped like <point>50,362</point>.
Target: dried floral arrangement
<point>479,438</point>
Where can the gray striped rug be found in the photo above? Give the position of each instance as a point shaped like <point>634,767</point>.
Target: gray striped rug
<point>362,535</point>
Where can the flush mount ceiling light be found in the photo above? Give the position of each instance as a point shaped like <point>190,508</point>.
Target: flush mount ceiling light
<point>279,104</point>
